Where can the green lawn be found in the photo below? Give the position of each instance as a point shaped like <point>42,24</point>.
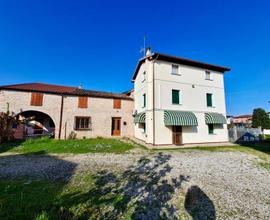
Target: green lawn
<point>24,199</point>
<point>45,145</point>
<point>258,149</point>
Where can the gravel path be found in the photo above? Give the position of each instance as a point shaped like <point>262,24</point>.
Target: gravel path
<point>230,184</point>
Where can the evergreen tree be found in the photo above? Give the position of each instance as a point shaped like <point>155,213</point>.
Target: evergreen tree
<point>260,119</point>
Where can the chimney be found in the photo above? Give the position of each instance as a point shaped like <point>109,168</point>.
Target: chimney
<point>148,51</point>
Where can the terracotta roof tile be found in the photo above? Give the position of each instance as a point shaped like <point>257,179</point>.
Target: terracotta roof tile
<point>67,90</point>
<point>40,87</point>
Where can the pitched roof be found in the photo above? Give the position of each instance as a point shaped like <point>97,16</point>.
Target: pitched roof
<point>40,87</point>
<point>92,93</point>
<point>65,90</point>
<point>179,60</point>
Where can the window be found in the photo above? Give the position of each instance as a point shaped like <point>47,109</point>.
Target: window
<point>175,96</point>
<point>210,129</point>
<point>207,75</point>
<point>175,69</point>
<point>82,123</point>
<point>143,76</point>
<point>144,100</point>
<point>142,126</point>
<point>117,103</point>
<point>209,99</point>
<point>36,99</point>
<point>82,102</point>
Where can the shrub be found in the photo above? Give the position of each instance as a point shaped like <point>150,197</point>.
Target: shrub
<point>42,216</point>
<point>6,131</point>
<point>267,137</point>
<point>72,136</point>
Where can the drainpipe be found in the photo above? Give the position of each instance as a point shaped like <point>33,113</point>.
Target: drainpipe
<point>61,116</point>
<point>154,124</point>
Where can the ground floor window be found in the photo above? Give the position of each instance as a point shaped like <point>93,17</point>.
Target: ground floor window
<point>210,129</point>
<point>82,123</point>
<point>143,127</point>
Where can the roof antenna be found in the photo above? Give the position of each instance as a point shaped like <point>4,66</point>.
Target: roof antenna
<point>143,50</point>
<point>80,86</point>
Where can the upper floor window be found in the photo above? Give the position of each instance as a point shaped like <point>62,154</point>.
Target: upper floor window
<point>175,69</point>
<point>209,99</point>
<point>83,102</point>
<point>143,76</point>
<point>82,123</point>
<point>175,96</point>
<point>207,75</point>
<point>144,100</point>
<point>117,103</point>
<point>37,99</point>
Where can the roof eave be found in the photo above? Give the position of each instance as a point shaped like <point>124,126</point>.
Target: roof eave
<point>179,60</point>
<point>109,96</point>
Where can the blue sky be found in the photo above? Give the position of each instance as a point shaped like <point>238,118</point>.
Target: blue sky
<point>97,43</point>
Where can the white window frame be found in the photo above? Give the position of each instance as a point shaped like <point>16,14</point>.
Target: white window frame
<point>144,100</point>
<point>213,100</point>
<point>176,67</point>
<point>208,75</point>
<point>180,96</point>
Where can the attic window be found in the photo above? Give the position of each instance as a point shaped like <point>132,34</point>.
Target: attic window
<point>82,102</point>
<point>117,103</point>
<point>207,75</point>
<point>37,99</point>
<point>175,69</point>
<point>143,76</point>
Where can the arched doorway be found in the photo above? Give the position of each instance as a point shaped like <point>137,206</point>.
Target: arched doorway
<point>34,124</point>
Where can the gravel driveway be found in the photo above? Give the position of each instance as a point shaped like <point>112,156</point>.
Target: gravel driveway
<point>230,184</point>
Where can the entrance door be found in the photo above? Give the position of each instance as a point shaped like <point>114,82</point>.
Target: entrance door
<point>177,135</point>
<point>116,126</point>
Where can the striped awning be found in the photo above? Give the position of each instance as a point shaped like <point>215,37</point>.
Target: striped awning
<point>180,118</point>
<point>214,118</point>
<point>139,118</point>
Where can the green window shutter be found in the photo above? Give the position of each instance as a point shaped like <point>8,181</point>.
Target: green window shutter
<point>210,129</point>
<point>209,100</point>
<point>144,100</point>
<point>175,96</point>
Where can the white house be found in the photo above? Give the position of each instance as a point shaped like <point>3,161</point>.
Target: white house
<point>174,101</point>
<point>179,101</point>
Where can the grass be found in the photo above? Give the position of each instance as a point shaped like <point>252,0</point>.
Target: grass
<point>21,199</point>
<point>90,194</point>
<point>45,145</point>
<point>267,137</point>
